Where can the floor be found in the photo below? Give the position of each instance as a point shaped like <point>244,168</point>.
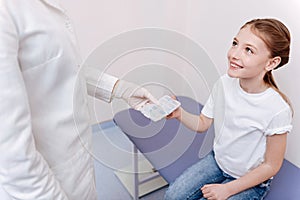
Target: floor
<point>112,152</point>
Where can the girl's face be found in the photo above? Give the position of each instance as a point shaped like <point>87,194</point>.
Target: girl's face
<point>248,56</point>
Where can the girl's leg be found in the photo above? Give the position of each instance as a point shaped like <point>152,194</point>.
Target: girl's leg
<point>188,184</point>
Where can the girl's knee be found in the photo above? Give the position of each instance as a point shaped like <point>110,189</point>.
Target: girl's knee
<point>174,194</point>
<point>169,195</point>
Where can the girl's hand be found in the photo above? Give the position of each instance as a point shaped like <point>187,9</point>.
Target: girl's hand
<point>215,192</point>
<point>176,113</point>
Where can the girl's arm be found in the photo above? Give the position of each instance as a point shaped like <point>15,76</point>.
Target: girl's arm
<point>199,123</point>
<point>276,145</point>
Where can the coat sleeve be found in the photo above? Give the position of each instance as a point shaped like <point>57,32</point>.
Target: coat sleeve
<point>24,174</point>
<point>99,84</point>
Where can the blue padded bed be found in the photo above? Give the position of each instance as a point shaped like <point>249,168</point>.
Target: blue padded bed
<point>171,148</point>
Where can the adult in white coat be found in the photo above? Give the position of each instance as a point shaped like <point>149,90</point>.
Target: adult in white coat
<point>44,154</point>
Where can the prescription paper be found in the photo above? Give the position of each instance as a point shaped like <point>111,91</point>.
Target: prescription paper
<point>156,112</point>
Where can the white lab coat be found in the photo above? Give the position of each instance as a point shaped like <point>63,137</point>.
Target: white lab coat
<point>45,137</point>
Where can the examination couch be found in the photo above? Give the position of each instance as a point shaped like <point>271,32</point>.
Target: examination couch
<point>171,148</point>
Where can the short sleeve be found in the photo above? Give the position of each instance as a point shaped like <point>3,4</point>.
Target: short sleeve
<point>281,123</point>
<point>208,108</point>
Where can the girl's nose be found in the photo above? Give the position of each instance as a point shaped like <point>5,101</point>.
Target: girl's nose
<point>235,53</point>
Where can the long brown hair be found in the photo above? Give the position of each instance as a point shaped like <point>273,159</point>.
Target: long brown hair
<point>277,38</point>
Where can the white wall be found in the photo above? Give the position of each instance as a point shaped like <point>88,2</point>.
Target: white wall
<point>210,23</point>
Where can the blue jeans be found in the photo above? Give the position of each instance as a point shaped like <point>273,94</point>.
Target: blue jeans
<point>206,171</point>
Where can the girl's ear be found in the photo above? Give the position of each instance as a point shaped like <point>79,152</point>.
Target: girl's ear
<point>273,63</point>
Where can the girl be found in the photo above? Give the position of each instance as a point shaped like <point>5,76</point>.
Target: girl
<point>251,119</point>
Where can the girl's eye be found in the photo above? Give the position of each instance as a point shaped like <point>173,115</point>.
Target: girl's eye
<point>249,50</point>
<point>234,43</point>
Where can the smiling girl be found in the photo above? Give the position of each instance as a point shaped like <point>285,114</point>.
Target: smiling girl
<point>251,117</point>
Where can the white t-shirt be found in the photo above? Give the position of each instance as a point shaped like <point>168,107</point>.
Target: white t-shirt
<point>242,122</point>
